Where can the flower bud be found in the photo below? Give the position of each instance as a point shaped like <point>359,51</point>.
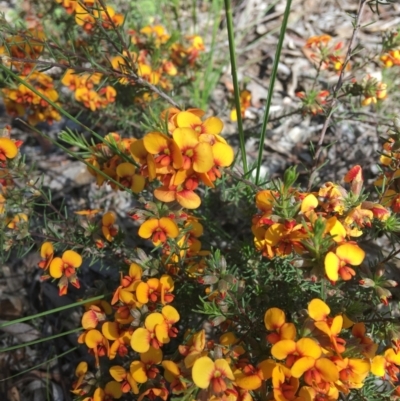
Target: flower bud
<point>208,280</point>
<point>367,283</point>
<point>218,320</point>
<point>389,284</point>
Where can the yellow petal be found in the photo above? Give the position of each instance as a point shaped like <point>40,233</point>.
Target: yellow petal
<point>378,365</point>
<point>162,330</point>
<point>138,183</point>
<point>113,388</point>
<point>170,314</point>
<point>332,266</point>
<point>301,366</point>
<point>56,268</point>
<point>169,227</point>
<point>188,199</point>
<point>308,347</point>
<point>153,320</point>
<point>187,119</point>
<point>213,125</point>
<point>147,229</point>
<point>46,250</point>
<point>267,367</point>
<point>138,371</point>
<point>140,341</point>
<point>223,154</point>
<point>185,138</point>
<point>350,253</point>
<point>117,372</point>
<point>223,366</point>
<point>125,170</point>
<point>110,330</point>
<point>318,310</point>
<point>72,258</point>
<point>274,318</point>
<point>93,338</point>
<point>202,371</point>
<point>310,202</point>
<point>250,383</point>
<point>327,369</point>
<point>153,356</point>
<point>283,348</point>
<point>274,234</point>
<point>155,142</point>
<point>8,148</point>
<point>203,159</point>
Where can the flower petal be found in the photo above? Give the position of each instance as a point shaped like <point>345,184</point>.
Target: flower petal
<point>202,371</point>
<point>138,371</point>
<point>274,318</point>
<point>72,258</point>
<point>332,266</point>
<point>283,348</point>
<point>187,199</point>
<point>318,310</point>
<point>140,341</point>
<point>351,254</point>
<point>169,227</point>
<point>147,229</point>
<point>301,366</point>
<point>56,268</point>
<point>223,154</point>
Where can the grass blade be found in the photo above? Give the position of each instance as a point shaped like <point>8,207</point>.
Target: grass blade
<point>231,38</point>
<point>271,88</point>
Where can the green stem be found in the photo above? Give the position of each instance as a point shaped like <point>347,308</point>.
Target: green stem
<point>231,38</point>
<point>61,308</point>
<point>271,88</point>
<point>41,340</point>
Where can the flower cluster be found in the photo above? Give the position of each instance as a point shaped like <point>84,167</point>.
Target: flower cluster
<point>87,91</point>
<point>313,102</point>
<point>329,56</point>
<point>191,151</point>
<point>322,363</point>
<point>22,101</point>
<point>12,218</point>
<point>63,268</point>
<point>91,15</point>
<point>320,227</point>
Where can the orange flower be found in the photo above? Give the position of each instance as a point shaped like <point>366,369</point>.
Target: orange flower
<point>319,311</point>
<point>128,285</point>
<point>386,364</point>
<point>109,229</point>
<point>8,149</point>
<point>46,253</point>
<point>159,230</point>
<point>275,320</point>
<point>337,263</point>
<point>144,369</point>
<point>218,373</point>
<point>128,383</point>
<point>127,177</point>
<point>64,268</point>
<point>197,155</point>
<point>96,342</point>
<point>112,391</point>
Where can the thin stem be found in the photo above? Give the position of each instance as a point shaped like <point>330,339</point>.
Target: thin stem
<point>271,88</point>
<point>335,93</point>
<point>40,340</point>
<point>59,309</point>
<point>231,39</point>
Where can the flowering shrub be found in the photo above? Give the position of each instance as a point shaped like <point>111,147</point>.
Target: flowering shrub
<point>295,311</point>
